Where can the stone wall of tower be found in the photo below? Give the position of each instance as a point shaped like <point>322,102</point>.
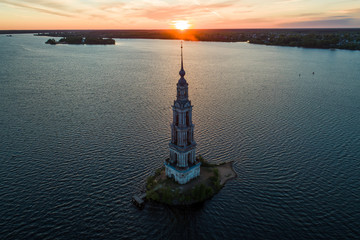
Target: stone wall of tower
<point>182,159</point>
<point>182,135</point>
<point>182,92</point>
<point>182,177</point>
<point>182,129</point>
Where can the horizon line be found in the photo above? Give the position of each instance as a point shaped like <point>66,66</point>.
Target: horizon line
<point>171,29</point>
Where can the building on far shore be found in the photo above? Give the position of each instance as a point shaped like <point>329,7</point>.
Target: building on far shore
<point>182,165</point>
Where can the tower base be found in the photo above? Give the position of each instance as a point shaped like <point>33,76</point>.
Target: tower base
<point>182,176</point>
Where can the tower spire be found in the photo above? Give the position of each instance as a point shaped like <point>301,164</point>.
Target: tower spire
<point>182,65</point>
<point>182,71</point>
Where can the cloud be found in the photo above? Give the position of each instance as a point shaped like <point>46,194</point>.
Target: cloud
<point>287,1</point>
<point>335,22</point>
<point>112,7</point>
<point>154,11</point>
<point>38,9</point>
<point>354,10</point>
<point>169,12</point>
<point>243,11</point>
<point>47,3</point>
<point>308,14</point>
<point>204,13</point>
<point>70,8</point>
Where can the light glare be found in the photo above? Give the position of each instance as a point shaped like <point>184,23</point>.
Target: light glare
<point>181,25</point>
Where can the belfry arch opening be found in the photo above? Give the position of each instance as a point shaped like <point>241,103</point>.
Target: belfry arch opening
<point>177,120</point>
<point>189,136</point>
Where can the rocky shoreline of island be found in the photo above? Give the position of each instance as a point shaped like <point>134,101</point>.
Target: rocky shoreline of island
<point>212,179</point>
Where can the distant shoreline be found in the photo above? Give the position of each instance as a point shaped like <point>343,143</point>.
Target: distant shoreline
<point>328,38</point>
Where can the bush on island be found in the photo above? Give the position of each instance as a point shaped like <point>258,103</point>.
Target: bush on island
<point>51,41</point>
<point>150,182</point>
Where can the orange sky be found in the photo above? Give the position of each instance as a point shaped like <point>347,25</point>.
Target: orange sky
<point>160,14</point>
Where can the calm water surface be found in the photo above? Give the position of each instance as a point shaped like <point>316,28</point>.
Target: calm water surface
<point>82,126</point>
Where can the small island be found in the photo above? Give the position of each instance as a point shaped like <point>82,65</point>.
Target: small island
<point>82,40</point>
<point>162,189</point>
<point>179,182</point>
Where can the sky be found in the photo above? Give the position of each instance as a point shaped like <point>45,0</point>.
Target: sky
<point>161,14</point>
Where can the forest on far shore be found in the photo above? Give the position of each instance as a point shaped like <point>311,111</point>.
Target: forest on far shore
<point>308,38</point>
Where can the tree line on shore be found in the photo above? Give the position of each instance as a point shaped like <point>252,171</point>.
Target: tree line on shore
<point>309,38</point>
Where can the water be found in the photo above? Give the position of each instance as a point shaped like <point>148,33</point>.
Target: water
<point>82,126</point>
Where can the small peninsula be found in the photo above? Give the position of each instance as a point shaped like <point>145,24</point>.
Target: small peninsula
<point>82,40</point>
<point>162,189</point>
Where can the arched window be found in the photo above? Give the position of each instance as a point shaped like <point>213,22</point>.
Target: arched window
<point>189,137</point>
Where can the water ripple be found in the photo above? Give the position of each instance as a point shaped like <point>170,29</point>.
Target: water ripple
<point>78,138</point>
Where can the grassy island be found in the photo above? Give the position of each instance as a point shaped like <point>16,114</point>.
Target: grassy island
<point>212,178</point>
<point>82,40</point>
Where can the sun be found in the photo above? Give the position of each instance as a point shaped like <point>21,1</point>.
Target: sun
<point>181,24</point>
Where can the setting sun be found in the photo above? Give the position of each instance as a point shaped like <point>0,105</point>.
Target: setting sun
<point>182,25</point>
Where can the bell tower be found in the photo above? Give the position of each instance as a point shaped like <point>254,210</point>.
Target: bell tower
<point>182,164</point>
